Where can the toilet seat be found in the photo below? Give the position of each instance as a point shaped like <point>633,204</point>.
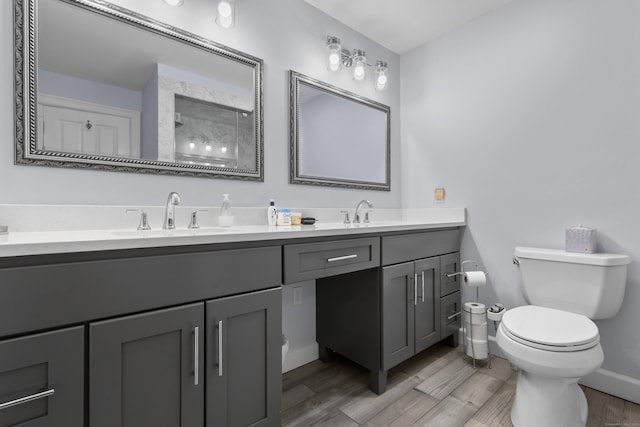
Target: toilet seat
<point>550,329</point>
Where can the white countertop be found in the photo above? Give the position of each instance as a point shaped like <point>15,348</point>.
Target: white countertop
<point>23,243</point>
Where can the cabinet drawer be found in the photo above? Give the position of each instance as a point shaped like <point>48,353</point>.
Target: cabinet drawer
<point>450,314</point>
<point>309,261</point>
<point>408,247</point>
<point>450,263</point>
<point>48,370</point>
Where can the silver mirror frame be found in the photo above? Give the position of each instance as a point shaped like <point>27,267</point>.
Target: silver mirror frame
<point>295,177</point>
<point>25,94</point>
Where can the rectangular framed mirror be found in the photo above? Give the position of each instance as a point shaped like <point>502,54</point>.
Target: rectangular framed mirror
<point>101,87</point>
<point>337,138</point>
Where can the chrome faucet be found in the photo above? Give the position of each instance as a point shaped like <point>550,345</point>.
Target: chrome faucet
<point>356,219</point>
<point>169,219</point>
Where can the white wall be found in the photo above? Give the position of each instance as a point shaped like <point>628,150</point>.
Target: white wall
<point>530,117</point>
<point>286,34</point>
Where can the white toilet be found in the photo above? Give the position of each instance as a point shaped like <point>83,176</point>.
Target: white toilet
<point>553,342</point>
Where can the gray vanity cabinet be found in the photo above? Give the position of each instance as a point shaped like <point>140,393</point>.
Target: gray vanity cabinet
<point>42,379</point>
<point>410,309</point>
<point>244,356</point>
<point>150,369</point>
<point>146,370</point>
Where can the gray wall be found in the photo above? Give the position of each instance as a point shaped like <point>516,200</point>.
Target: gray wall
<point>286,34</point>
<point>530,117</point>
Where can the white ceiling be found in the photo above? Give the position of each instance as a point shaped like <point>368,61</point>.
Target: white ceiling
<point>402,25</point>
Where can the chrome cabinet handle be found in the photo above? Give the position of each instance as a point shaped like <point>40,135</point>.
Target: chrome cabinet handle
<point>415,289</point>
<point>422,285</point>
<point>220,348</point>
<point>454,315</point>
<point>342,258</point>
<point>27,399</point>
<point>196,357</point>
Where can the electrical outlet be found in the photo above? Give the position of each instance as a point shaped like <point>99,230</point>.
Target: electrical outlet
<point>297,295</point>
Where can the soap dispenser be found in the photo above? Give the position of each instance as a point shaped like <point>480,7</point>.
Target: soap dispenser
<point>225,219</point>
<point>272,213</point>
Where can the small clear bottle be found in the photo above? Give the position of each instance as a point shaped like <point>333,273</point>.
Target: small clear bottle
<point>225,219</point>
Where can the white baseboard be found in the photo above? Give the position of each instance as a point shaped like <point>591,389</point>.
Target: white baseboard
<point>618,385</point>
<point>300,356</point>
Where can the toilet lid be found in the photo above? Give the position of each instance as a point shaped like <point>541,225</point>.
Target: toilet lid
<point>550,329</point>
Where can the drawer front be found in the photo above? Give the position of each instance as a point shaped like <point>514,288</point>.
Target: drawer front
<point>100,289</point>
<point>450,263</point>
<point>450,314</point>
<point>308,261</point>
<point>408,247</point>
<point>42,379</point>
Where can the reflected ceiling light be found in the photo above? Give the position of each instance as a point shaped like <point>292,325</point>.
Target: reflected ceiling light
<point>174,2</point>
<point>339,57</point>
<point>208,147</point>
<point>225,13</point>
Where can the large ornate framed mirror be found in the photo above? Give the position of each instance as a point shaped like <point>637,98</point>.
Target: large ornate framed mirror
<point>101,87</point>
<point>337,138</point>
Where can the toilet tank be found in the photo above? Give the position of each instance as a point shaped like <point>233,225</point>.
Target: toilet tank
<point>588,284</point>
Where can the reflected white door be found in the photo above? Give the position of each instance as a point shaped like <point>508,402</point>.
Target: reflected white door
<point>81,128</point>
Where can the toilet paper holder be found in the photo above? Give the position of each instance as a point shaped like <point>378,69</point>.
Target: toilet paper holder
<point>463,272</point>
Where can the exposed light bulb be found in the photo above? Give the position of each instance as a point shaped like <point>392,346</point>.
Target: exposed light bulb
<point>381,75</point>
<point>359,62</point>
<point>225,14</point>
<point>192,145</point>
<point>223,149</point>
<point>335,50</point>
<point>224,9</point>
<point>208,147</point>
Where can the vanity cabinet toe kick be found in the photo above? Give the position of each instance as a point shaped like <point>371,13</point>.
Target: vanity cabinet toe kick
<point>383,299</point>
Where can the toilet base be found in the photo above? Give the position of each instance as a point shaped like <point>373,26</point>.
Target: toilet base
<point>550,402</point>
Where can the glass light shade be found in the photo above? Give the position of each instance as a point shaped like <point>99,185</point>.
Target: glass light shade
<point>381,75</point>
<point>226,13</point>
<point>335,53</point>
<point>359,64</point>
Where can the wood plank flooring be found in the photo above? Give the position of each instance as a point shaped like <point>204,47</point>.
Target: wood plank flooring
<point>435,388</point>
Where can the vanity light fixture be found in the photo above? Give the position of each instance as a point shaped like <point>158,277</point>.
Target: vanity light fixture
<point>339,57</point>
<point>381,75</point>
<point>225,13</point>
<point>174,2</point>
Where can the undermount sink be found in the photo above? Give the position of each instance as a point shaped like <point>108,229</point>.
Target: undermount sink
<point>170,233</point>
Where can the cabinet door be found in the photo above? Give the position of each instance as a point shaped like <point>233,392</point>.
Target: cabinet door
<point>398,302</point>
<point>450,263</point>
<point>427,314</point>
<point>244,359</point>
<point>42,379</point>
<point>146,370</point>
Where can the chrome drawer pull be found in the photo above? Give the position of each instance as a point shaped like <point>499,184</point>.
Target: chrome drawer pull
<point>422,285</point>
<point>27,399</point>
<point>220,348</point>
<point>342,258</point>
<point>196,357</point>
<point>454,315</point>
<point>415,289</point>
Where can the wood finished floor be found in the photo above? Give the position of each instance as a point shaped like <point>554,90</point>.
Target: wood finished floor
<point>435,388</point>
